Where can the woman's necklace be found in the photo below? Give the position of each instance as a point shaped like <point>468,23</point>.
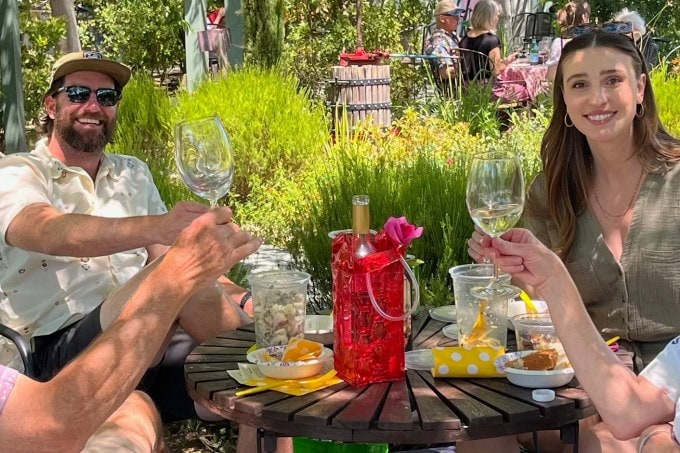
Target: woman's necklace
<point>616,218</point>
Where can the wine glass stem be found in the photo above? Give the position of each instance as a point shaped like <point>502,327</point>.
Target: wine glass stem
<point>495,269</point>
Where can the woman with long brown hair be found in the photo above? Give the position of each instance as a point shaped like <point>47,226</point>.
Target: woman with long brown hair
<point>608,197</point>
<point>607,201</point>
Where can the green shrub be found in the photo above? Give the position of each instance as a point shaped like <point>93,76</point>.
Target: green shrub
<point>274,128</point>
<point>145,35</point>
<point>38,56</point>
<point>667,92</point>
<point>144,130</point>
<point>417,170</point>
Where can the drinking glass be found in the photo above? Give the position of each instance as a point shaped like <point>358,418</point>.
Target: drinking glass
<point>544,47</point>
<point>495,200</point>
<point>204,157</point>
<point>518,45</point>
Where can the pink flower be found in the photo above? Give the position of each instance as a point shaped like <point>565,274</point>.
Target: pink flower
<point>402,232</point>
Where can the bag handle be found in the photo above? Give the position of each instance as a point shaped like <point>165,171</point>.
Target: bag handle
<point>415,293</point>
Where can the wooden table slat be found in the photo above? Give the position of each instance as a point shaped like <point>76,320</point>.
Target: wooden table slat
<point>208,389</point>
<point>361,411</point>
<point>206,376</point>
<point>252,404</point>
<point>434,413</point>
<point>473,412</point>
<point>286,409</point>
<point>216,358</point>
<point>321,413</point>
<point>559,407</point>
<point>219,350</point>
<point>430,335</point>
<point>396,413</point>
<point>513,410</point>
<point>202,367</point>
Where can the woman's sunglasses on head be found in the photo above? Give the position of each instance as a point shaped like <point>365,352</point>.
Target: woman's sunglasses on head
<point>622,28</point>
<point>107,97</point>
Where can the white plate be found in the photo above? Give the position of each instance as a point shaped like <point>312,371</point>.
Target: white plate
<point>446,313</point>
<point>319,328</point>
<point>451,331</point>
<point>532,379</point>
<point>421,359</point>
<point>287,370</point>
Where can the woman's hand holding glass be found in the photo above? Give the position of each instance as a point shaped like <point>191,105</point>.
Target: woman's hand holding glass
<point>495,200</point>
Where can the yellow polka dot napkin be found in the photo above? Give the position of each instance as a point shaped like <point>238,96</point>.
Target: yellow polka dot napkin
<point>459,361</point>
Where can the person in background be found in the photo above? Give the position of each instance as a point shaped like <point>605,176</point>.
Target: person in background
<point>444,41</point>
<point>606,199</point>
<point>215,18</point>
<point>78,225</point>
<point>573,13</point>
<point>91,404</point>
<point>649,49</point>
<point>481,37</point>
<point>647,405</point>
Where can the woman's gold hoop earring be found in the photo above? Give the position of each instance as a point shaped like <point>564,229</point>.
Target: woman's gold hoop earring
<point>567,121</point>
<point>640,110</point>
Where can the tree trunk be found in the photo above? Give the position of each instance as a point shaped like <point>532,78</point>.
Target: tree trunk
<point>264,30</point>
<point>66,10</point>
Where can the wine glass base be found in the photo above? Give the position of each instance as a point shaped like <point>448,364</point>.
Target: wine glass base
<point>496,291</point>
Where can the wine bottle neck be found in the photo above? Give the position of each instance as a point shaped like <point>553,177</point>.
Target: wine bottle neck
<point>360,220</point>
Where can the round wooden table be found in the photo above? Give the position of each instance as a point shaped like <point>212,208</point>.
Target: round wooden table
<point>417,410</point>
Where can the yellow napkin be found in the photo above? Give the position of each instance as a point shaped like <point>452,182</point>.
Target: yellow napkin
<point>459,361</point>
<point>249,374</point>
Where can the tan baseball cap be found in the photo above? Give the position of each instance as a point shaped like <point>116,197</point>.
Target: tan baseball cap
<point>88,60</point>
<point>448,7</point>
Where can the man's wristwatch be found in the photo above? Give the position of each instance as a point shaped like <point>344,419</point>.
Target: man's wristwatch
<point>244,299</point>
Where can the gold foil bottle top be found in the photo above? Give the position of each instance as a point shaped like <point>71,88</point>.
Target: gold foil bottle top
<point>361,219</point>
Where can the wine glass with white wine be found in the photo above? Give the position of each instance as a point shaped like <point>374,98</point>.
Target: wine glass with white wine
<point>204,157</point>
<point>495,200</point>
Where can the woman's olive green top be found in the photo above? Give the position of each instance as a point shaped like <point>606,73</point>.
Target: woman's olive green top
<point>637,298</point>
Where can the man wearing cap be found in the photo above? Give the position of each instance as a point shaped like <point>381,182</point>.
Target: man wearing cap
<point>77,227</point>
<point>444,40</point>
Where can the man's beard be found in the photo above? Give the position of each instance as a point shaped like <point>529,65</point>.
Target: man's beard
<point>87,142</point>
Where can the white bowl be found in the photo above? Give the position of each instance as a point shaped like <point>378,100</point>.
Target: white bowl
<point>319,328</point>
<point>529,378</point>
<point>287,370</point>
<point>518,307</point>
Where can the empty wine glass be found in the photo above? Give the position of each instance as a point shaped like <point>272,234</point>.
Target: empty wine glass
<point>495,200</point>
<point>204,157</point>
<point>544,47</point>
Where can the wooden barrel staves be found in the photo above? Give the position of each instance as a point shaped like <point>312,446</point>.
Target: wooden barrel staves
<point>359,92</point>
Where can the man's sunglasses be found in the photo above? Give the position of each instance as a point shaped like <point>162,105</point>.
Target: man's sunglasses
<point>107,97</point>
<point>622,28</point>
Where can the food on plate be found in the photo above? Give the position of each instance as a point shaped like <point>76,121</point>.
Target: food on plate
<point>541,360</point>
<point>299,349</point>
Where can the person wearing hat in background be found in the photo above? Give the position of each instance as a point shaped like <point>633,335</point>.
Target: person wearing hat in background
<point>79,224</point>
<point>91,405</point>
<point>444,40</point>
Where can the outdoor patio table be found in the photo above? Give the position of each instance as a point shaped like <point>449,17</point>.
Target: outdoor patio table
<point>526,78</point>
<point>418,410</point>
